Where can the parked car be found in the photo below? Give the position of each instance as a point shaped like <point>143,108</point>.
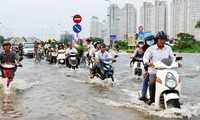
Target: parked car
<point>28,49</point>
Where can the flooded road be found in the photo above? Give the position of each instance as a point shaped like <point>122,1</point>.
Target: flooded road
<point>48,92</point>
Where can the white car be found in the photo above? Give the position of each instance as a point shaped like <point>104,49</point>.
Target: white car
<point>28,49</point>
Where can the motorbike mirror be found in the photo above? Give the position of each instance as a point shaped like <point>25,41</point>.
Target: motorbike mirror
<point>21,58</point>
<point>115,56</point>
<point>179,58</point>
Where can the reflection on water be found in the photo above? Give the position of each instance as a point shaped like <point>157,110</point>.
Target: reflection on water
<point>7,106</point>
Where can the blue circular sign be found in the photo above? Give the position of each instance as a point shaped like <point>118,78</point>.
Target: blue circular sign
<point>77,28</point>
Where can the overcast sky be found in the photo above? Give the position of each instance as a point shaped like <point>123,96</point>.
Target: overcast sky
<point>37,17</point>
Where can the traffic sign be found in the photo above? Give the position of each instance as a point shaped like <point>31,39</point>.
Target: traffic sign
<point>77,18</point>
<point>140,28</point>
<point>113,37</point>
<point>77,28</point>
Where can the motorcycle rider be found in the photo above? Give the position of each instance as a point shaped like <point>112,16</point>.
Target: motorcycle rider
<point>101,55</point>
<point>9,56</point>
<point>149,41</point>
<point>153,54</point>
<point>35,48</point>
<point>138,53</point>
<point>53,48</point>
<point>89,48</point>
<point>69,50</point>
<point>97,47</point>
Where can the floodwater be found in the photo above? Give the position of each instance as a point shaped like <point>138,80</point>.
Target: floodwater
<point>50,92</point>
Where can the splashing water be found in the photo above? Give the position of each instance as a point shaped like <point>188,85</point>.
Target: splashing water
<point>18,85</point>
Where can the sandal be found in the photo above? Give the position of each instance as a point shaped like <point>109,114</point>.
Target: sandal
<point>149,102</point>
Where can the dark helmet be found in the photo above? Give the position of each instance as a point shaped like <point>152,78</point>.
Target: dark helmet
<point>103,46</point>
<point>161,35</point>
<point>88,40</point>
<point>96,43</point>
<point>6,43</point>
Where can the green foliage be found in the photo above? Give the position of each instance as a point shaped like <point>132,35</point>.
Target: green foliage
<point>123,45</point>
<point>197,26</point>
<point>24,39</point>
<point>2,39</point>
<point>80,50</point>
<point>186,43</point>
<point>94,39</point>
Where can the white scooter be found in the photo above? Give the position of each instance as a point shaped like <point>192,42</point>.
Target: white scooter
<point>138,69</point>
<point>61,58</point>
<point>168,84</point>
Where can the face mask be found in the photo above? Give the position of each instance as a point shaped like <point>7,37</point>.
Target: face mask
<point>141,45</point>
<point>150,42</point>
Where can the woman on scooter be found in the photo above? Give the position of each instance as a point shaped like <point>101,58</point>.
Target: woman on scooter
<point>138,53</point>
<point>149,41</point>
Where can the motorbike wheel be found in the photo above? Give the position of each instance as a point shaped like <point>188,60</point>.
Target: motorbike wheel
<point>82,62</point>
<point>73,67</point>
<point>173,103</point>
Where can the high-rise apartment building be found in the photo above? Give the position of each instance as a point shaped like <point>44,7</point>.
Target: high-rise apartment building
<point>121,21</point>
<point>154,17</point>
<point>127,21</point>
<point>147,17</point>
<point>112,19</point>
<point>184,16</point>
<point>95,27</point>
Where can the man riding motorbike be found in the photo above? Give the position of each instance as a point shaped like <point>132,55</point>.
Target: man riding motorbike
<point>9,56</point>
<point>69,50</point>
<point>101,55</point>
<point>153,54</point>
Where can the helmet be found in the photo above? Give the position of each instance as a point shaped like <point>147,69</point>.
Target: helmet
<point>6,43</point>
<point>148,36</point>
<point>161,35</point>
<point>88,40</point>
<point>140,41</point>
<point>96,43</point>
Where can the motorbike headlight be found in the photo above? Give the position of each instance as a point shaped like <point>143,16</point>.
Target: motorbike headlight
<point>170,81</point>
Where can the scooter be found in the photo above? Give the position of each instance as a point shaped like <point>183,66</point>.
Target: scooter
<point>168,84</point>
<point>8,68</point>
<point>53,56</point>
<point>106,70</point>
<point>138,69</point>
<point>73,61</point>
<point>61,57</point>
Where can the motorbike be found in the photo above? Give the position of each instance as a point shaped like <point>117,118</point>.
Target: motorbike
<point>106,69</point>
<point>61,57</point>
<point>73,61</point>
<point>168,84</point>
<point>138,69</point>
<point>8,68</point>
<point>52,56</point>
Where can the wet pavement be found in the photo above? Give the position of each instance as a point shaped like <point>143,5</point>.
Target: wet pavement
<point>47,92</point>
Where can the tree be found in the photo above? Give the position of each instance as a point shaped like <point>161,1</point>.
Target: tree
<point>197,26</point>
<point>1,39</point>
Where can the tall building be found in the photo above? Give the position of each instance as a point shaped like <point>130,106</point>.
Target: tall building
<point>95,27</point>
<point>121,21</point>
<point>147,17</point>
<point>112,18</point>
<point>104,29</point>
<point>154,17</point>
<point>161,16</point>
<point>127,21</point>
<point>184,16</point>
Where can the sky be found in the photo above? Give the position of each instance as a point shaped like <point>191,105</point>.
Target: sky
<point>35,18</point>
